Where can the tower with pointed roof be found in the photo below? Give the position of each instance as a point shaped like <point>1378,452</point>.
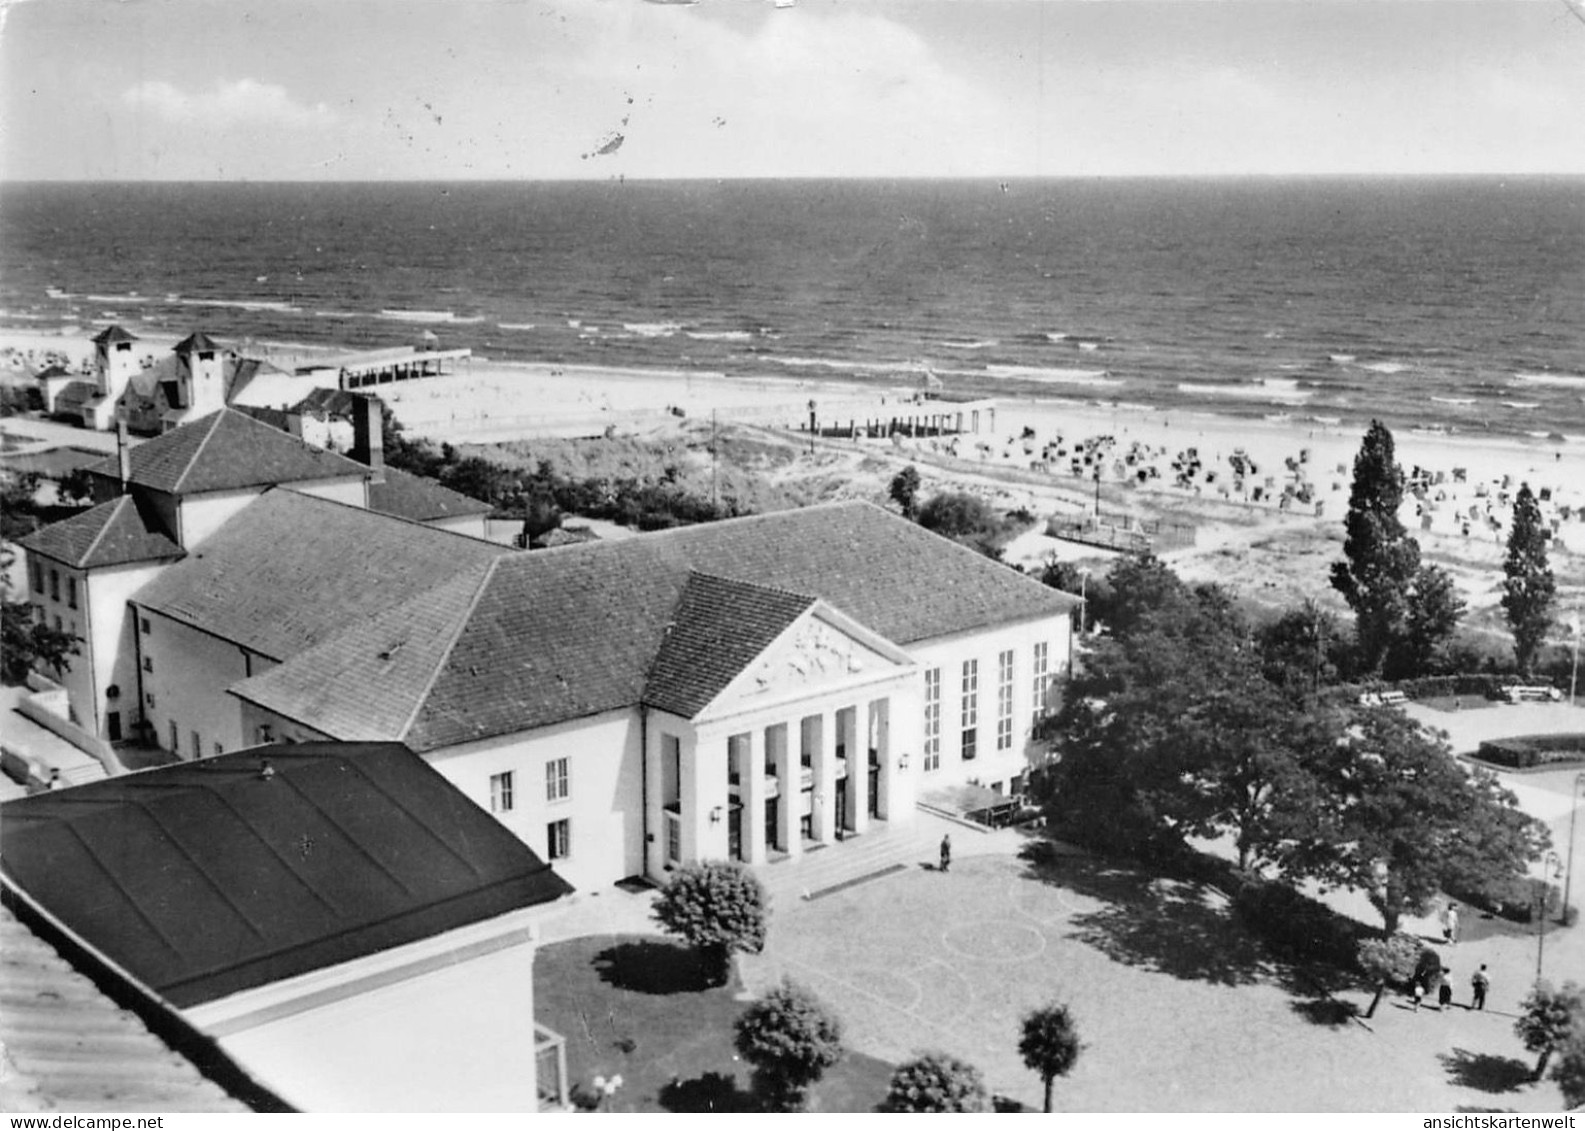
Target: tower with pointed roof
<point>115,362</point>
<point>201,378</point>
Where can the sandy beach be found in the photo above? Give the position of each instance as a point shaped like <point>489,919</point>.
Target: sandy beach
<point>1265,497</point>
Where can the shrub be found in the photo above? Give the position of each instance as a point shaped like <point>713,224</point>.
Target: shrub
<point>717,908</point>
<point>936,1081</point>
<point>790,1038</point>
<point>1524,752</point>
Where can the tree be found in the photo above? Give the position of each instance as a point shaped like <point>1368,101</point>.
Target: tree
<point>1387,961</point>
<point>1382,560</point>
<point>718,909</point>
<point>76,487</point>
<point>905,490</point>
<point>1297,649</point>
<point>936,1081</point>
<point>26,641</point>
<point>1550,1019</point>
<point>1404,821</point>
<point>790,1038</point>
<point>1529,588</point>
<point>964,518</point>
<point>1049,1045</point>
<point>1431,618</point>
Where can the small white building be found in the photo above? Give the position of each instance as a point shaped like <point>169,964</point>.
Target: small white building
<point>343,926</point>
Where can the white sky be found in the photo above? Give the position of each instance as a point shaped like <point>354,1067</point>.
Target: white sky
<point>436,89</point>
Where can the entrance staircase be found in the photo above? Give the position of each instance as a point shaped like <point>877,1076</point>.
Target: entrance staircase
<point>884,850</point>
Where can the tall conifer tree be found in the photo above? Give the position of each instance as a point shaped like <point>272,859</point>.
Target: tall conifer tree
<point>1382,560</point>
<point>1530,589</point>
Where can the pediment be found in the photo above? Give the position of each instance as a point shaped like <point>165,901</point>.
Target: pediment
<point>815,653</point>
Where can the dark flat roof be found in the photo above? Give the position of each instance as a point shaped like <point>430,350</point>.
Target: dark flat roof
<point>212,877</point>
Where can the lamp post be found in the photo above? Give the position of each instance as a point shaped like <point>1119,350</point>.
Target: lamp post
<point>1551,866</point>
<point>1568,867</point>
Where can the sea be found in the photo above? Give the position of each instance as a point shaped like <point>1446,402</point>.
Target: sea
<point>1439,304</point>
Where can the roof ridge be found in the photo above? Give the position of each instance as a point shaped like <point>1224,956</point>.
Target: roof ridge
<point>214,423</point>
<point>808,597</point>
<point>104,527</point>
<point>505,551</point>
<point>455,634</point>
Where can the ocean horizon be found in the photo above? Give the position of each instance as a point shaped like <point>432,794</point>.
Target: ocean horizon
<point>1444,302</point>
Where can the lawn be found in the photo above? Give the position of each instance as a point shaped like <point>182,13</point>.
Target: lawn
<point>635,1006</point>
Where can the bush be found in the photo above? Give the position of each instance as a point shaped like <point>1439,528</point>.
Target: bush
<point>1527,751</point>
<point>1297,927</point>
<point>790,1038</point>
<point>936,1081</point>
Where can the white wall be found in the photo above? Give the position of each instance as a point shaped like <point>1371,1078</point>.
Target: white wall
<point>472,525</point>
<point>281,729</point>
<point>190,673</point>
<point>605,803</point>
<point>990,766</point>
<point>114,655</point>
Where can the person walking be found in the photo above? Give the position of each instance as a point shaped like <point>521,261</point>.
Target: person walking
<point>946,852</point>
<point>1450,925</point>
<point>1444,992</point>
<point>1479,984</point>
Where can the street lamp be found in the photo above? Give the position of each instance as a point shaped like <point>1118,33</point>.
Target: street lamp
<point>1551,868</point>
<point>1568,871</point>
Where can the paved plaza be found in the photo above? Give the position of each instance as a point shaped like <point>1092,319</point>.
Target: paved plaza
<point>1178,1008</point>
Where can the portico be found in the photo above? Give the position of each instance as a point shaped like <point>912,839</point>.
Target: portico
<point>797,750</point>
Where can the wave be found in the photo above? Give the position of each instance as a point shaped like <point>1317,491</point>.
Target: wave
<point>449,317</point>
<point>1521,404</point>
<point>1271,389</point>
<point>1387,367</point>
<point>337,314</point>
<point>722,335</point>
<point>1341,358</point>
<point>1560,380</point>
<point>1089,347</point>
<point>968,345</point>
<point>651,329</point>
<point>1456,402</point>
<point>1056,336</point>
<point>253,305</point>
<point>128,298</point>
<point>1098,378</point>
<point>837,363</point>
<point>515,325</point>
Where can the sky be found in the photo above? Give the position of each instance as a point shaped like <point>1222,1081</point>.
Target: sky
<point>270,90</point>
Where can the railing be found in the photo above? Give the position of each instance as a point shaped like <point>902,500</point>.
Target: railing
<point>550,1069</point>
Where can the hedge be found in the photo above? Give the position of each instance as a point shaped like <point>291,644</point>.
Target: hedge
<point>1526,751</point>
<point>1485,684</point>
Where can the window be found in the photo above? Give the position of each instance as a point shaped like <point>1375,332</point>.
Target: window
<point>556,786</point>
<point>1004,701</point>
<point>113,725</point>
<point>148,663</point>
<point>264,733</point>
<point>1041,683</point>
<point>558,839</point>
<point>971,709</point>
<point>176,738</point>
<point>55,585</point>
<point>198,745</point>
<point>145,621</point>
<point>58,626</point>
<point>36,572</point>
<point>933,719</point>
<point>71,592</point>
<point>673,838</point>
<point>501,792</point>
<point>149,700</point>
<point>220,749</point>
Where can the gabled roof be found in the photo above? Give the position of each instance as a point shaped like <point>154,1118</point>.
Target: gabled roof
<point>328,402</point>
<point>51,373</point>
<point>196,341</point>
<point>113,334</point>
<point>563,634</point>
<point>208,878</point>
<point>405,495</point>
<point>75,394</point>
<point>227,450</point>
<point>115,533</point>
<point>719,627</point>
<point>290,570</point>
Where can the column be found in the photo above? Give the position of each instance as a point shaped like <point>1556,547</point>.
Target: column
<point>825,767</point>
<point>751,790</point>
<point>784,764</point>
<point>859,767</point>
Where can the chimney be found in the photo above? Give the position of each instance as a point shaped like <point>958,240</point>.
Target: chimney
<point>123,455</point>
<point>368,441</point>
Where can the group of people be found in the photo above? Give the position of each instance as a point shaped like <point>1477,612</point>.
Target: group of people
<point>1431,977</point>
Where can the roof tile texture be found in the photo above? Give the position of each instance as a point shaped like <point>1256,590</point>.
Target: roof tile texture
<point>115,533</point>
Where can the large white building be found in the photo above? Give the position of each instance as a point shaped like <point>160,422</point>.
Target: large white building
<point>738,690</point>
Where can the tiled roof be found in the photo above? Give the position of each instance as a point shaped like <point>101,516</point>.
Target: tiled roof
<point>74,1049</point>
<point>113,334</point>
<point>328,402</point>
<point>75,394</point>
<point>208,878</point>
<point>196,341</point>
<point>563,634</point>
<point>228,450</point>
<point>718,628</point>
<point>412,496</point>
<point>114,533</point>
<point>290,570</point>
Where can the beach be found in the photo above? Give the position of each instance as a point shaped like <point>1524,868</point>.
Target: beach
<point>1265,498</point>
